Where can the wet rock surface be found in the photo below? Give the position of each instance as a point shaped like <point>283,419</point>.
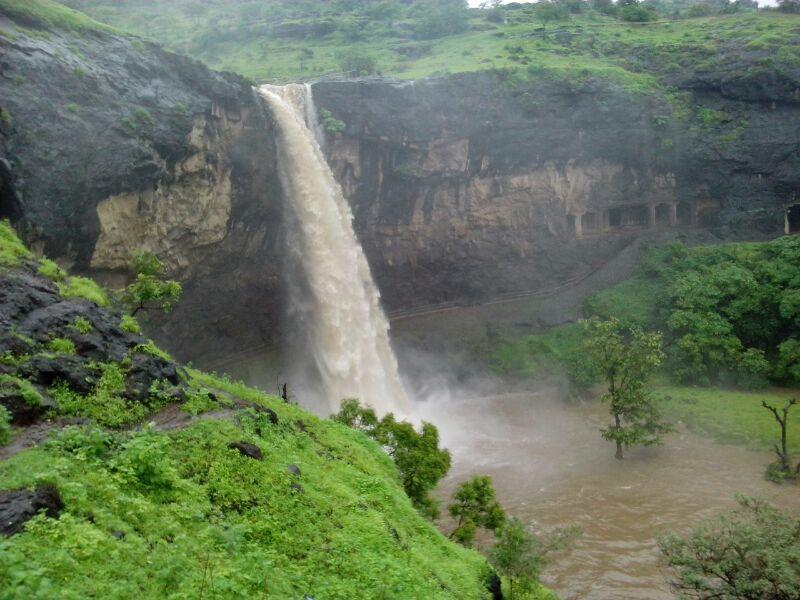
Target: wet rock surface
<point>32,313</point>
<point>17,507</point>
<point>247,449</point>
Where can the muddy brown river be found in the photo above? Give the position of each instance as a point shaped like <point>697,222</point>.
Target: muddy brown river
<point>551,468</point>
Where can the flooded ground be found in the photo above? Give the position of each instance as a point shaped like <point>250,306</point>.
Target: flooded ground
<point>551,468</point>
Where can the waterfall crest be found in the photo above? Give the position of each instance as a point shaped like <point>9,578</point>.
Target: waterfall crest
<point>347,331</point>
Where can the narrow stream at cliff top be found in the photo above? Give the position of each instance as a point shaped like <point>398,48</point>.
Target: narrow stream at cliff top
<point>551,468</point>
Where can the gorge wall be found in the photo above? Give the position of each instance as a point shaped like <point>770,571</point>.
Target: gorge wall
<point>464,187</point>
<point>475,185</point>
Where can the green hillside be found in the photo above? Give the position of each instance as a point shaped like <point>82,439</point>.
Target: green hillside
<point>205,489</point>
<point>277,41</point>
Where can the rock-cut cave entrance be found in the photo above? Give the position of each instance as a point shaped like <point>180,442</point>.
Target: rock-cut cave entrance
<point>793,219</point>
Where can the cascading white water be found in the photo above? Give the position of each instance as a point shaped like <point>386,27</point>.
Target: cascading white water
<point>348,331</point>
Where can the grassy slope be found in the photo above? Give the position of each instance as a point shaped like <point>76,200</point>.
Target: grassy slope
<point>156,514</point>
<point>731,416</point>
<point>584,45</point>
<point>47,14</point>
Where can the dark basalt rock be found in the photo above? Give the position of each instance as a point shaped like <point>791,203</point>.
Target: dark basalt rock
<point>72,369</point>
<point>247,449</point>
<point>294,470</point>
<point>144,370</point>
<point>23,413</point>
<point>17,507</point>
<point>495,586</point>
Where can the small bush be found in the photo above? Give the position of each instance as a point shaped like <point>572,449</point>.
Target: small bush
<point>151,349</point>
<point>61,346</point>
<point>636,13</point>
<point>129,324</point>
<point>330,123</point>
<point>82,325</point>
<point>83,287</point>
<point>199,402</point>
<point>5,426</point>
<point>51,270</point>
<point>12,250</point>
<point>29,393</point>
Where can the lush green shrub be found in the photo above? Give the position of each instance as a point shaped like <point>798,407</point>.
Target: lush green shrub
<point>83,325</point>
<point>637,13</point>
<point>330,123</point>
<point>5,426</point>
<point>747,553</point>
<point>83,287</point>
<point>474,505</point>
<point>129,324</point>
<point>419,460</point>
<point>357,64</point>
<point>61,346</point>
<point>12,250</point>
<point>151,290</point>
<point>51,270</point>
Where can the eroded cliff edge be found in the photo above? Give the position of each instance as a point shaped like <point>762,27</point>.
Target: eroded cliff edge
<point>464,188</point>
<point>112,145</point>
<point>475,185</point>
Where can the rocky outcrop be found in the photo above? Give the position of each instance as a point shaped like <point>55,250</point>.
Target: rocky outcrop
<point>111,145</point>
<point>471,186</point>
<point>33,314</point>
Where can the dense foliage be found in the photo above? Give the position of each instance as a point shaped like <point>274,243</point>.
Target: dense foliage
<point>751,553</point>
<point>474,506</point>
<point>277,41</point>
<point>730,314</point>
<point>417,455</point>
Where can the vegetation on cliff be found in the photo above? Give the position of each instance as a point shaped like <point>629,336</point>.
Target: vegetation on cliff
<point>278,41</point>
<point>175,483</point>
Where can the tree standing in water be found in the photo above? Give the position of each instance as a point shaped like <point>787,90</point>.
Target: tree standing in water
<point>782,468</point>
<point>627,356</point>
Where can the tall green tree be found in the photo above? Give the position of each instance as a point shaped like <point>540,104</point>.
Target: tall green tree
<point>474,505</point>
<point>751,553</point>
<point>151,290</point>
<point>626,357</point>
<point>416,454</point>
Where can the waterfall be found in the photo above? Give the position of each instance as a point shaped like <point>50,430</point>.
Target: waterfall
<point>346,329</point>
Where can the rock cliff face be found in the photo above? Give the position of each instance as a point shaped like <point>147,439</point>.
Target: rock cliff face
<point>472,186</point>
<point>464,188</point>
<point>111,145</point>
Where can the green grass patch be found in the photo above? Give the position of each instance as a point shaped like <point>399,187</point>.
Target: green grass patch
<point>61,346</point>
<point>129,324</point>
<point>50,269</point>
<point>46,14</point>
<point>83,287</point>
<point>12,250</point>
<point>181,514</point>
<point>731,416</point>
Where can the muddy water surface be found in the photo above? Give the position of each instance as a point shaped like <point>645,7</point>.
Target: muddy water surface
<point>551,468</point>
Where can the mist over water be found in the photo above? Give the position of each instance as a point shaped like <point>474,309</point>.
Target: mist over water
<point>335,305</point>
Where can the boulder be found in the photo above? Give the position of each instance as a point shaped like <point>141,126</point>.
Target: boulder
<point>247,449</point>
<point>17,507</point>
